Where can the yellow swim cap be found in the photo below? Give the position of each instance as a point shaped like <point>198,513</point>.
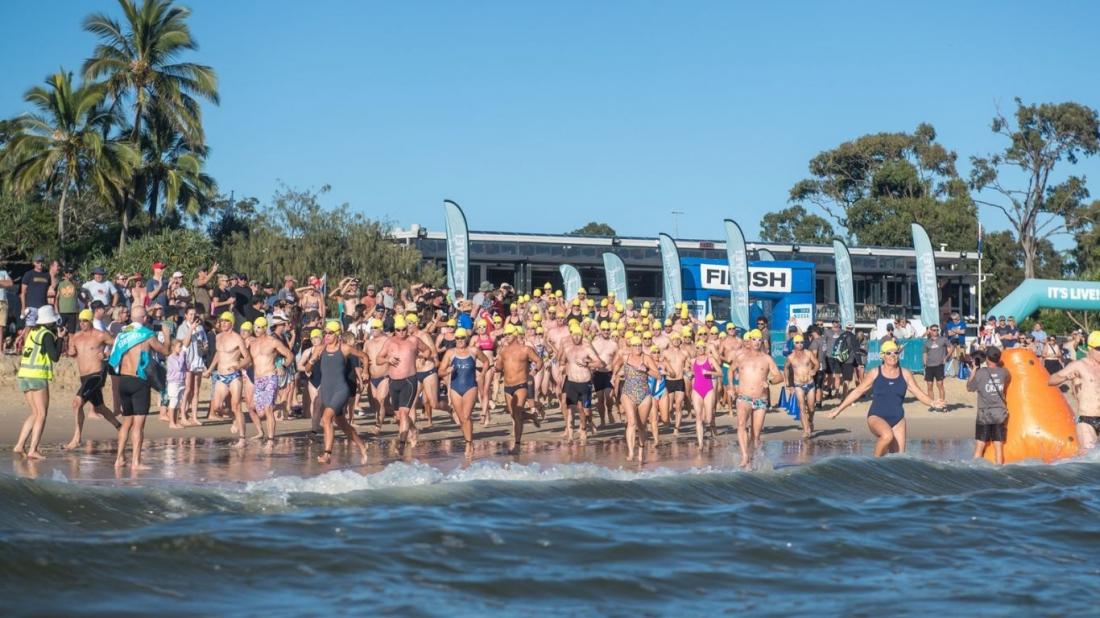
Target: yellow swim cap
<point>635,340</point>
<point>722,335</point>
<point>376,323</point>
<point>730,326</point>
<point>399,322</point>
<point>686,331</point>
<point>619,307</point>
<point>412,317</point>
<point>645,305</point>
<point>513,306</point>
<point>616,316</point>
<point>576,302</point>
<point>461,333</point>
<point>537,293</point>
<point>753,334</point>
<point>647,335</point>
<point>246,326</point>
<point>481,322</point>
<point>714,330</point>
<point>709,318</point>
<point>538,330</point>
<point>630,302</point>
<point>603,303</point>
<point>591,303</point>
<point>227,316</point>
<point>644,313</point>
<point>497,318</point>
<point>628,334</point>
<point>1094,339</point>
<point>261,322</point>
<point>509,329</point>
<point>656,325</point>
<point>654,349</point>
<point>315,333</point>
<point>333,326</point>
<point>547,285</point>
<point>797,339</point>
<point>668,323</point>
<point>888,346</point>
<point>605,325</point>
<point>557,293</point>
<point>451,322</point>
<point>575,329</point>
<point>86,315</point>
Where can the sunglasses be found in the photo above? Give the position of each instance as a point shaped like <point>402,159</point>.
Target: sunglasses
<point>889,353</point>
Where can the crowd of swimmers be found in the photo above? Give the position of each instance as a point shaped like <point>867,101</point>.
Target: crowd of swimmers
<point>421,353</point>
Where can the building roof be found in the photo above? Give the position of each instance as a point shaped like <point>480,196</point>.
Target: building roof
<point>416,231</point>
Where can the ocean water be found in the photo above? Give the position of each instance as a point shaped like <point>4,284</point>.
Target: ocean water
<point>834,534</point>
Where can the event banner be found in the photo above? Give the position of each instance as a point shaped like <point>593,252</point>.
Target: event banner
<point>738,273</point>
<point>572,280</point>
<point>926,277</point>
<point>845,293</point>
<point>670,269</point>
<point>458,249</point>
<point>764,255</point>
<point>616,275</point>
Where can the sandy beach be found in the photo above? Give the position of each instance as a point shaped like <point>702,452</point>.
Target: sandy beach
<point>924,425</point>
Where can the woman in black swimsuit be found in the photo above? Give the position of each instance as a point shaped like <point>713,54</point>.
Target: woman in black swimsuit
<point>333,393</point>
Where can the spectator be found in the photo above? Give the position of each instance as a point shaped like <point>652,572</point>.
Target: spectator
<point>157,287</point>
<point>178,296</point>
<point>287,293</point>
<point>903,329</point>
<point>387,294</point>
<point>200,288</point>
<point>221,298</point>
<point>889,336</point>
<point>122,286</point>
<point>1007,331</point>
<point>67,300</point>
<point>935,357</point>
<point>121,318</point>
<point>100,289</point>
<point>1037,332</point>
<point>5,286</point>
<point>36,285</point>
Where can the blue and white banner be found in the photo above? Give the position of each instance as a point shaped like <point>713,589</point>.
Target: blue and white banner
<point>572,280</point>
<point>926,277</point>
<point>845,290</point>
<point>738,274</point>
<point>670,269</point>
<point>764,255</point>
<point>616,275</point>
<point>458,249</point>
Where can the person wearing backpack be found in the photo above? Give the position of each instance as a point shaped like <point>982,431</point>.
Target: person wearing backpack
<point>844,353</point>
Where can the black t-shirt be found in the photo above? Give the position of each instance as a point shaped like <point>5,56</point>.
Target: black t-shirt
<point>242,298</point>
<point>251,313</point>
<point>221,296</point>
<point>37,285</point>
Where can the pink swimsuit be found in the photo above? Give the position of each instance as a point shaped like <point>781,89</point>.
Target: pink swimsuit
<point>702,383</point>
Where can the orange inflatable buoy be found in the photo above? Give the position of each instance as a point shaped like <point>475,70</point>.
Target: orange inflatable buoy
<point>1040,421</point>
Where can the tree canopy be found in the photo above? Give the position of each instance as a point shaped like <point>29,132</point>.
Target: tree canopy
<point>878,184</point>
<point>795,225</point>
<point>1037,205</point>
<point>593,228</point>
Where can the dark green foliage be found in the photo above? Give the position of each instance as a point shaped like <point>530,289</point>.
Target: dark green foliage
<point>593,228</point>
<point>795,225</point>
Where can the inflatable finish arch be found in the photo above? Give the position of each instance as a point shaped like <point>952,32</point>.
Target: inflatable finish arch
<point>1048,294</point>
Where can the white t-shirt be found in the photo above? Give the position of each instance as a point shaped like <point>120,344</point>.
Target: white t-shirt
<point>101,291</point>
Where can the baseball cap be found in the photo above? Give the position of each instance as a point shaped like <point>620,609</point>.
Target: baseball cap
<point>177,274</point>
<point>39,258</point>
<point>98,270</point>
<point>485,286</point>
<point>158,265</point>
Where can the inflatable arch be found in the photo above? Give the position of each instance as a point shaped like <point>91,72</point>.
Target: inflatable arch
<point>1035,294</point>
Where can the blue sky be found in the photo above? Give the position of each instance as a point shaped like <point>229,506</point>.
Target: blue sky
<point>539,117</point>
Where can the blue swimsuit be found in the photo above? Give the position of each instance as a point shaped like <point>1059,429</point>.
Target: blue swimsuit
<point>463,374</point>
<point>887,395</point>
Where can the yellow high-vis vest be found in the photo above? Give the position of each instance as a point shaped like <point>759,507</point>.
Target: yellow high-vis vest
<point>35,363</point>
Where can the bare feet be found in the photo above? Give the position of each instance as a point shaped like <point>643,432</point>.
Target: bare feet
<point>324,458</point>
<point>240,443</point>
<point>120,463</point>
<point>73,444</point>
<point>175,426</point>
<point>35,455</point>
<point>363,455</point>
<point>140,466</point>
<point>259,436</point>
<point>17,450</point>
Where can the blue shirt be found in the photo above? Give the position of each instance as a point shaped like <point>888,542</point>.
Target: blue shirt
<point>960,325</point>
<point>1039,335</point>
<point>162,296</point>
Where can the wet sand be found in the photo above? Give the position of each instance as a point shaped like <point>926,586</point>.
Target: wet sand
<point>210,449</point>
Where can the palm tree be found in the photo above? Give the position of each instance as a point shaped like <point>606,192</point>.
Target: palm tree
<point>174,169</point>
<point>64,147</point>
<point>139,65</point>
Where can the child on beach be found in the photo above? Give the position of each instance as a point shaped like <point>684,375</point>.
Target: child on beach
<point>990,382</point>
<point>175,365</point>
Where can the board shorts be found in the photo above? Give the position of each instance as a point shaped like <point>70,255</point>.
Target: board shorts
<point>91,388</point>
<point>674,386</point>
<point>27,385</point>
<point>847,370</point>
<point>993,432</point>
<point>263,392</point>
<point>933,373</point>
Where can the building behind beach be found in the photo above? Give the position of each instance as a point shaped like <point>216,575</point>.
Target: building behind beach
<point>885,279</point>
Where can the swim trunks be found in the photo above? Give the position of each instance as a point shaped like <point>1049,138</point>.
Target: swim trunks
<point>601,380</point>
<point>133,393</point>
<point>511,389</point>
<point>91,388</point>
<point>263,394</point>
<point>402,392</point>
<point>227,378</point>
<point>675,386</point>
<point>757,404</point>
<point>578,392</point>
<point>992,432</point>
<point>807,387</point>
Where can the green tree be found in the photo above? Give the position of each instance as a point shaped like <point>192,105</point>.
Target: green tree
<point>139,65</point>
<point>1038,207</point>
<point>1003,265</point>
<point>795,225</point>
<point>877,185</point>
<point>297,235</point>
<point>183,250</point>
<point>593,228</point>
<point>172,168</point>
<point>60,147</point>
